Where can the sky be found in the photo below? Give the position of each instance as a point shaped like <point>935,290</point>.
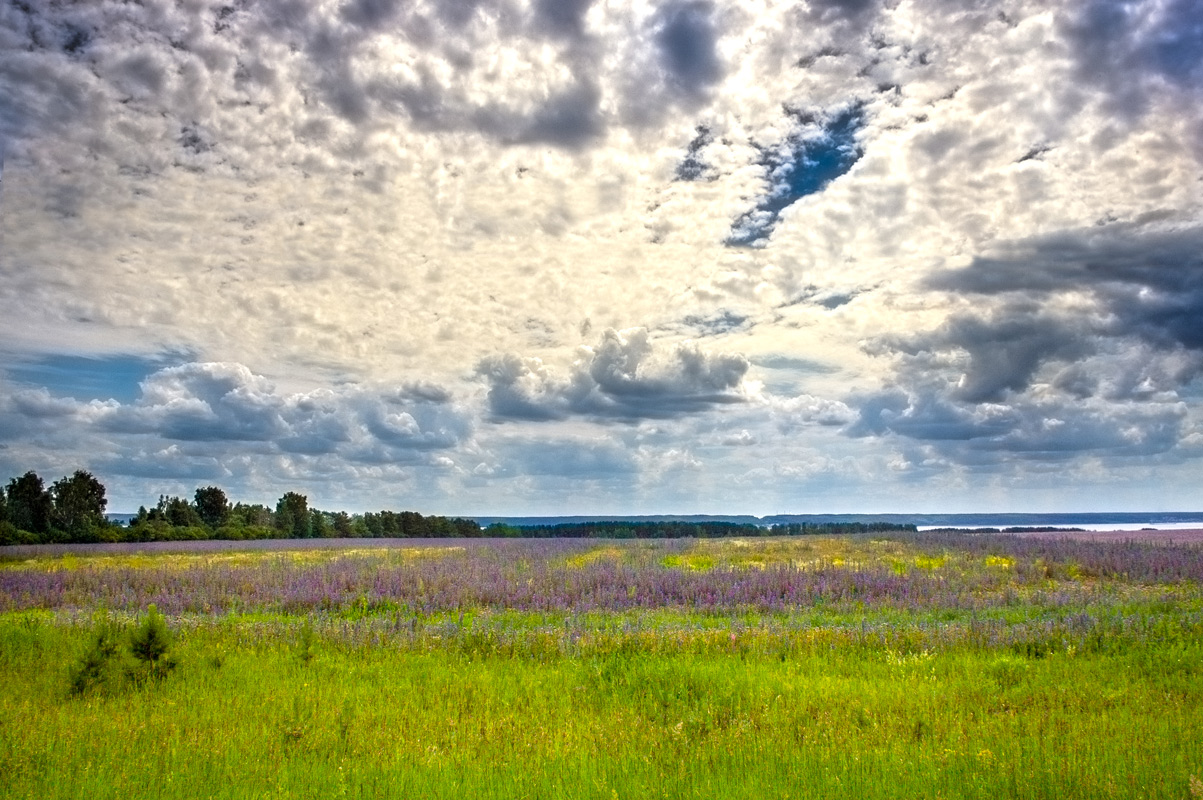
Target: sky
<point>519,257</point>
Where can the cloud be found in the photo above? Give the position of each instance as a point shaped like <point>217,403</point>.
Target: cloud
<point>1003,350</point>
<point>1108,312</point>
<point>225,409</point>
<point>1134,49</point>
<point>829,11</point>
<point>686,41</point>
<point>623,377</point>
<point>562,17</point>
<point>802,411</point>
<point>1037,429</point>
<point>1080,341</point>
<point>1147,282</point>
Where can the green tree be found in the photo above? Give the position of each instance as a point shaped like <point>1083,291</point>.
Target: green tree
<point>342,524</point>
<point>257,515</point>
<point>79,504</point>
<point>213,506</point>
<point>8,531</point>
<point>292,515</point>
<point>178,512</point>
<point>319,527</point>
<point>29,504</point>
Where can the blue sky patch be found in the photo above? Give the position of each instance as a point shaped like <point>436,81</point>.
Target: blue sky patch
<point>801,165</point>
<point>83,378</point>
<point>694,167</point>
<point>722,322</point>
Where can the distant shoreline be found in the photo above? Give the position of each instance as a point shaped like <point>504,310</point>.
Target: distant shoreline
<point>1163,535</point>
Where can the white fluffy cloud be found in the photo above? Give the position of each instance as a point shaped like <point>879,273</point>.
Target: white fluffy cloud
<point>822,245</point>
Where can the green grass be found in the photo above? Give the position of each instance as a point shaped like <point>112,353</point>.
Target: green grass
<point>875,702</point>
<point>246,715</point>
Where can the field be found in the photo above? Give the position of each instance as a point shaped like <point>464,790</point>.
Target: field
<point>916,665</point>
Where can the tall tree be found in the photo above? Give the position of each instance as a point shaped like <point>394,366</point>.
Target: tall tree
<point>79,503</point>
<point>256,515</point>
<point>342,524</point>
<point>213,506</point>
<point>29,504</point>
<point>178,512</point>
<point>292,515</point>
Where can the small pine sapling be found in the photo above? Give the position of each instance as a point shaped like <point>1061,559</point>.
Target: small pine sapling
<point>149,643</point>
<point>305,643</point>
<point>94,666</point>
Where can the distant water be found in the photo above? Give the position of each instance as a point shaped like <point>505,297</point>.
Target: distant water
<point>1092,526</point>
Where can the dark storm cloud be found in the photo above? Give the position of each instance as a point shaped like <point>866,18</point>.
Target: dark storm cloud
<point>686,40</point>
<point>620,378</point>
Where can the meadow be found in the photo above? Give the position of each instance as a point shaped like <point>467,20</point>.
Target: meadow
<point>883,665</point>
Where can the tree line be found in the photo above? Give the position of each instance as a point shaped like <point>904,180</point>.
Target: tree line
<point>72,510</point>
<point>677,529</point>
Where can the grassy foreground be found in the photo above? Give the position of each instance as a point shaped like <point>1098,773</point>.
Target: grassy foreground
<point>1011,683</point>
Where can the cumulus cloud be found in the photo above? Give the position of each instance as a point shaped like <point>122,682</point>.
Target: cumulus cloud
<point>1081,341</point>
<point>624,376</point>
<point>1147,283</point>
<point>225,407</point>
<point>1026,428</point>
